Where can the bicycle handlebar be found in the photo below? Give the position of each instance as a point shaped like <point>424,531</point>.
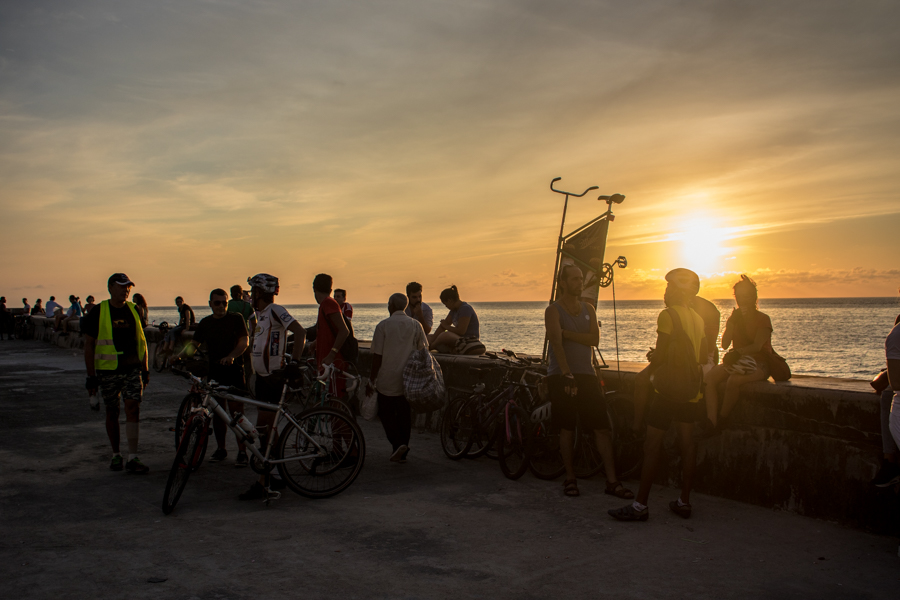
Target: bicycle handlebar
<point>555,179</point>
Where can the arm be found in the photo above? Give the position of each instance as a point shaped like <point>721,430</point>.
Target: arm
<point>462,323</point>
<point>727,335</point>
<point>299,340</point>
<point>419,316</point>
<point>710,339</point>
<point>239,349</point>
<point>554,335</point>
<point>658,356</point>
<point>893,371</point>
<point>763,336</point>
<point>591,338</point>
<point>373,374</point>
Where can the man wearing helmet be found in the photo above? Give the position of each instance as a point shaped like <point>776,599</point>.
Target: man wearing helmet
<point>267,343</point>
<point>688,282</point>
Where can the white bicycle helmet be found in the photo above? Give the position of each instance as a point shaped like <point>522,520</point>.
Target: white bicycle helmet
<point>265,282</point>
<point>742,367</point>
<point>541,413</point>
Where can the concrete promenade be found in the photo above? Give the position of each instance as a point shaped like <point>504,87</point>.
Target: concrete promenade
<point>431,528</point>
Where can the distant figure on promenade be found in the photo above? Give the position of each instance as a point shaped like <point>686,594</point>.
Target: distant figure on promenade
<point>90,303</point>
<point>573,331</point>
<point>26,308</point>
<point>664,409</point>
<point>7,323</point>
<point>115,355</point>
<point>689,283</point>
<point>74,313</point>
<point>38,310</point>
<point>749,332</point>
<point>140,303</point>
<point>226,340</point>
<point>186,320</point>
<point>340,296</point>
<point>331,329</point>
<point>892,356</point>
<point>238,305</point>
<point>889,472</point>
<point>417,309</point>
<point>461,323</point>
<point>394,340</point>
<point>268,339</point>
<point>52,306</point>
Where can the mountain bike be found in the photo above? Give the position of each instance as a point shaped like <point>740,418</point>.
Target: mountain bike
<point>319,452</point>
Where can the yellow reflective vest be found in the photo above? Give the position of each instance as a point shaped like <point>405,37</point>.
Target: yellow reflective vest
<point>106,357</point>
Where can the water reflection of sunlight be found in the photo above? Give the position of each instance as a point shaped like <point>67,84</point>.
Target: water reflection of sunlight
<point>701,244</point>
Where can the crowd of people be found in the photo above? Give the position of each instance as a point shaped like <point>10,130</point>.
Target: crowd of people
<point>248,333</point>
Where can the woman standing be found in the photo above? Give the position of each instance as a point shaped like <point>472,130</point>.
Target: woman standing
<point>461,322</point>
<point>749,333</point>
<point>142,309</point>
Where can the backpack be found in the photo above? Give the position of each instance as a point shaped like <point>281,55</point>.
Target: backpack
<point>423,382</point>
<point>679,378</point>
<point>350,347</point>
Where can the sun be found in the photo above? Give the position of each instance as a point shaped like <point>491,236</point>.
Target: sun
<point>701,244</point>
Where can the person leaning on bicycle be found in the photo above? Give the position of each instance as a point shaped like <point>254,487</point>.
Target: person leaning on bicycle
<point>573,331</point>
<point>226,340</point>
<point>268,341</point>
<point>115,355</point>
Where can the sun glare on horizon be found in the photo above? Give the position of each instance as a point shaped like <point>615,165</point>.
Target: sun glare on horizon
<point>702,244</point>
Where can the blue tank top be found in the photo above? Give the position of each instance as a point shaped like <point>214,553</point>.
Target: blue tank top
<point>577,355</point>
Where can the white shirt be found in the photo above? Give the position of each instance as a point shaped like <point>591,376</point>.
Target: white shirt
<point>427,314</point>
<point>50,308</point>
<point>269,338</point>
<point>395,339</point>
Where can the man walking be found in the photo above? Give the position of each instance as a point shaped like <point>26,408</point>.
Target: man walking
<point>417,309</point>
<point>115,355</point>
<point>394,340</point>
<point>267,353</point>
<point>572,330</point>
<point>226,340</point>
<point>331,329</point>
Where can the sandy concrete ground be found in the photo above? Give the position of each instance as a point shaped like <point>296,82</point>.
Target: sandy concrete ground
<point>431,528</point>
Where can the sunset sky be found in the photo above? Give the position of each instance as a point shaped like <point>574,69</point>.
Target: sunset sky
<point>192,144</point>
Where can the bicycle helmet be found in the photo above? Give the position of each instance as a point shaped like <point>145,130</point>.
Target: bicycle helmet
<point>684,280</point>
<point>742,367</point>
<point>265,282</point>
<point>541,413</point>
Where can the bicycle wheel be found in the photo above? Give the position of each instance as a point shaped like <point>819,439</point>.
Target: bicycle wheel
<point>184,414</point>
<point>628,448</point>
<point>314,474</point>
<point>545,461</point>
<point>456,429</point>
<point>183,465</point>
<point>160,359</point>
<point>587,461</point>
<point>514,443</point>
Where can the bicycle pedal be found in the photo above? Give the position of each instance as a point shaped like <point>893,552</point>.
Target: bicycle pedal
<point>272,495</point>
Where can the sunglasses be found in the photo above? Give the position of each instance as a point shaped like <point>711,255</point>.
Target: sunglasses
<point>219,302</point>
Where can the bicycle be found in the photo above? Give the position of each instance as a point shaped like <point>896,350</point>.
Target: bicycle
<point>164,359</point>
<point>320,451</point>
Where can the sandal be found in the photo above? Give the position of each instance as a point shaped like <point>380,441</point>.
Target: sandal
<point>570,488</point>
<point>615,488</point>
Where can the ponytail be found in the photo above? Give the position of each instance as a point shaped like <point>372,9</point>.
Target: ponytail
<point>451,294</point>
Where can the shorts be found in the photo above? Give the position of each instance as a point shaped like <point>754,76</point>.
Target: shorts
<point>588,407</point>
<point>662,412</point>
<point>268,389</point>
<point>128,385</point>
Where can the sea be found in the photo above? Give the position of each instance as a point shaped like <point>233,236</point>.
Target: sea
<point>825,337</point>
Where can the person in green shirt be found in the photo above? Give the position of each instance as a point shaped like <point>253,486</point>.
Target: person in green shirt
<point>238,305</point>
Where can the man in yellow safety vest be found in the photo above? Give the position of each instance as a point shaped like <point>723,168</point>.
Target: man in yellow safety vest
<point>115,354</point>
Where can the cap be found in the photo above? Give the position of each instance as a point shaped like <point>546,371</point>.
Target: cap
<point>265,282</point>
<point>119,278</point>
<point>685,280</point>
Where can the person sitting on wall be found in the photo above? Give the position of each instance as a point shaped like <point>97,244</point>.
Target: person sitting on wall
<point>461,323</point>
<point>340,296</point>
<point>186,320</point>
<point>749,332</point>
<point>52,307</point>
<point>74,313</point>
<point>889,472</point>
<point>38,310</point>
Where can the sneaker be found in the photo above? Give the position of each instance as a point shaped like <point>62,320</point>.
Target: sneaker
<point>218,455</point>
<point>256,492</point>
<point>888,475</point>
<point>628,513</point>
<point>400,453</point>
<point>136,466</point>
<point>682,510</point>
<point>117,463</point>
<point>241,460</point>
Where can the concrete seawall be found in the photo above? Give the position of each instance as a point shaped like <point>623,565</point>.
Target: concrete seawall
<point>808,446</point>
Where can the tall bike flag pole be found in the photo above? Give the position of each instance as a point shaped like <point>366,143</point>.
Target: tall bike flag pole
<point>561,240</point>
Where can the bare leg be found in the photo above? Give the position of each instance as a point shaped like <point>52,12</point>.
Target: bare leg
<point>605,447</point>
<point>733,389</point>
<point>688,459</point>
<point>443,340</point>
<point>652,446</point>
<point>567,449</point>
<point>713,378</point>
<point>641,395</point>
